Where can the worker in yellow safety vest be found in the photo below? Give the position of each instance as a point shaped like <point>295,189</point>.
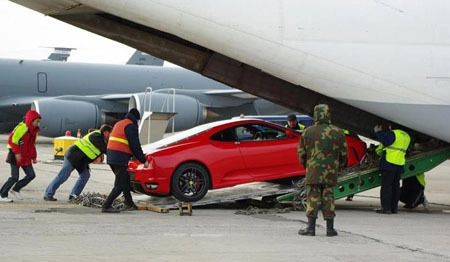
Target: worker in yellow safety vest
<point>292,123</point>
<point>412,192</point>
<point>392,150</point>
<point>21,153</point>
<point>83,152</point>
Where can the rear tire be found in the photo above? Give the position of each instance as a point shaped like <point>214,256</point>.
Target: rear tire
<point>190,182</point>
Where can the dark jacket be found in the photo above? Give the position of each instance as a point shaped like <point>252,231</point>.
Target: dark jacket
<point>78,159</point>
<point>118,158</point>
<point>322,149</point>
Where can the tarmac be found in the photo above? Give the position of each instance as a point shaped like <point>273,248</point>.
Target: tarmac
<point>36,230</point>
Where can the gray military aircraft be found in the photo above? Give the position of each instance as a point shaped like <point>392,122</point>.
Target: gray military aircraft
<point>72,96</point>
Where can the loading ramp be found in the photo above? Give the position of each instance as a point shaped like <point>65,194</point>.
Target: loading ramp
<point>366,179</point>
<point>224,195</point>
<point>357,180</point>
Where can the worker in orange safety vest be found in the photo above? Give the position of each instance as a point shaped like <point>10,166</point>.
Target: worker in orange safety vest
<point>122,145</point>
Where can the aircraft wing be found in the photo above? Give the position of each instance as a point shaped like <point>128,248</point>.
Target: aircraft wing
<point>73,112</point>
<point>8,103</point>
<point>222,93</point>
<point>231,93</point>
<point>116,97</point>
<point>215,97</point>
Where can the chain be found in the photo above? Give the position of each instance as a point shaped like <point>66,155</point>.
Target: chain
<point>96,200</point>
<point>251,210</point>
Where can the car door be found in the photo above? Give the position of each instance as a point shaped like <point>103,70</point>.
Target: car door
<point>271,153</point>
<point>229,167</point>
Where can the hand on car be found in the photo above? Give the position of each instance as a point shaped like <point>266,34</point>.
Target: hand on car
<point>377,128</point>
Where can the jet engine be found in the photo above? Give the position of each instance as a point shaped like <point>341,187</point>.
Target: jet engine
<point>190,112</point>
<point>59,116</point>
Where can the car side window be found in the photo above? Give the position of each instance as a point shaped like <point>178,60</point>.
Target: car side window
<point>226,135</point>
<point>244,133</point>
<point>256,132</point>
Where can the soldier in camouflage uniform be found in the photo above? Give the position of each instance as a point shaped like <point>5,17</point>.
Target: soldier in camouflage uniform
<point>322,150</point>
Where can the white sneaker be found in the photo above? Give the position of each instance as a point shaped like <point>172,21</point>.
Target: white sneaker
<point>5,199</point>
<point>16,194</point>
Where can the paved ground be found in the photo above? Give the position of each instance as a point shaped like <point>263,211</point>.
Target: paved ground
<point>35,230</point>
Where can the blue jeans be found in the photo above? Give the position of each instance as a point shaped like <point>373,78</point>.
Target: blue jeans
<point>13,180</point>
<point>63,175</point>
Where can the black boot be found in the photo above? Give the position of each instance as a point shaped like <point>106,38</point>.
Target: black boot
<point>330,228</point>
<point>310,230</point>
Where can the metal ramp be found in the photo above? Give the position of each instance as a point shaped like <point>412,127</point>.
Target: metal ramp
<point>225,195</point>
<point>153,124</point>
<point>351,183</point>
<point>356,182</point>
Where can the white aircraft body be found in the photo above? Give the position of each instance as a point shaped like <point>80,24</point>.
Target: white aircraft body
<point>389,59</point>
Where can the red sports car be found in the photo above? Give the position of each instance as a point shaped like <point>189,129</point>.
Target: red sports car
<point>222,154</point>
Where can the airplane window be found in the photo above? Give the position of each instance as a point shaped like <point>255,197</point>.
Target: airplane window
<point>42,82</point>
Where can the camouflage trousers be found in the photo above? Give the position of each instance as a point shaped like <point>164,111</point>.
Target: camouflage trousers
<point>320,197</point>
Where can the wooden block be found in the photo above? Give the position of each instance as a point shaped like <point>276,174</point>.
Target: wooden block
<point>188,207</point>
<point>157,209</point>
<point>141,207</point>
<point>153,208</point>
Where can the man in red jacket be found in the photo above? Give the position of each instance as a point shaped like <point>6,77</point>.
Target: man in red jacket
<point>22,153</point>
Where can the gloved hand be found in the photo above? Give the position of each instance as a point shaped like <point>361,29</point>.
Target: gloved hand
<point>377,128</point>
<point>146,164</point>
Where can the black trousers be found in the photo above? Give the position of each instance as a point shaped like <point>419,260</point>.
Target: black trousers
<point>390,190</point>
<point>121,185</point>
<point>412,192</point>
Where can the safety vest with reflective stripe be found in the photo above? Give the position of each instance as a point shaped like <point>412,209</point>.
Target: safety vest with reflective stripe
<point>395,153</point>
<point>301,127</point>
<point>421,179</point>
<point>117,139</point>
<point>16,135</point>
<point>85,145</point>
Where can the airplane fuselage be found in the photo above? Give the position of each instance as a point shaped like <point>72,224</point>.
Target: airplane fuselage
<point>84,95</point>
<point>387,59</point>
<point>20,78</point>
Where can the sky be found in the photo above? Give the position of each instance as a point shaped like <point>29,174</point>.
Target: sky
<point>27,34</point>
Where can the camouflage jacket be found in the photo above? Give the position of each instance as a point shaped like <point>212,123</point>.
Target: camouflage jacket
<point>322,149</point>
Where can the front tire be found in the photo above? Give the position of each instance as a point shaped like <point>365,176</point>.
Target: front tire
<point>190,182</point>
